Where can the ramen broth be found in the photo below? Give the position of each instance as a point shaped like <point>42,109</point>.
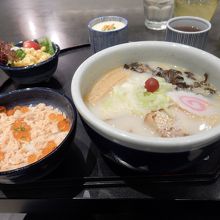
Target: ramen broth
<point>184,104</point>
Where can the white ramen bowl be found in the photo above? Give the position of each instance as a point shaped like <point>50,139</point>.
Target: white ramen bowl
<point>94,67</point>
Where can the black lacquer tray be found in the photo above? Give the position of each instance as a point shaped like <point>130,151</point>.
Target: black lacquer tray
<point>86,174</point>
<point>86,168</point>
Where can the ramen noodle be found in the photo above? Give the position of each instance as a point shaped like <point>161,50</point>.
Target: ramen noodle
<point>155,99</point>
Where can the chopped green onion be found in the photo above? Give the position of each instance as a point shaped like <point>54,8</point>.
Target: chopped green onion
<point>20,54</point>
<point>20,129</point>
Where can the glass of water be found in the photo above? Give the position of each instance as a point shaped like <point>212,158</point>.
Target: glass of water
<point>157,13</point>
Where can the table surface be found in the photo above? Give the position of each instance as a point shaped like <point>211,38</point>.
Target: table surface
<point>65,22</point>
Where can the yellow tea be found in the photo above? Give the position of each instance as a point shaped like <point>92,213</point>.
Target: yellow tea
<point>198,8</point>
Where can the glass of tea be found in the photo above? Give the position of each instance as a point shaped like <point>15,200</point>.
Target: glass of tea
<point>199,8</point>
<point>188,30</point>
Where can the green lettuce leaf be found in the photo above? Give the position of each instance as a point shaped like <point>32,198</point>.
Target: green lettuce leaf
<point>46,42</point>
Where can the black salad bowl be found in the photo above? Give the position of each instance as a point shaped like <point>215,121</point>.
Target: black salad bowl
<point>36,73</point>
<point>51,161</point>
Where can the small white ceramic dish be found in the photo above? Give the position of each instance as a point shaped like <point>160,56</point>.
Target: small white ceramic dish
<point>95,66</point>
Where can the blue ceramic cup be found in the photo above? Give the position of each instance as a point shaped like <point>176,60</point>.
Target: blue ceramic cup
<point>188,30</point>
<point>107,31</point>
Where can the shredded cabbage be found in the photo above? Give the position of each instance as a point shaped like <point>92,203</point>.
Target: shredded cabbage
<point>132,97</point>
<point>156,100</point>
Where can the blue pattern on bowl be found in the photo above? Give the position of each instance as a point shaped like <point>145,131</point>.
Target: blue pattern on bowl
<point>100,40</point>
<point>196,39</point>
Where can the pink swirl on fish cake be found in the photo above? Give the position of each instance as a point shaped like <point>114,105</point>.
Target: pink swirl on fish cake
<point>195,103</point>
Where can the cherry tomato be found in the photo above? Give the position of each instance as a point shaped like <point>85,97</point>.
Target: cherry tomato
<point>31,44</point>
<point>151,85</point>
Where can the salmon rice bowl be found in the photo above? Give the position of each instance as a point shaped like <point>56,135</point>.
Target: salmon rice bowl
<point>29,133</point>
